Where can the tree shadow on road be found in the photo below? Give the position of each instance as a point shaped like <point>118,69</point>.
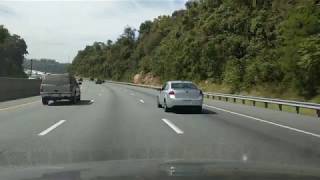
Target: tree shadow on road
<point>69,103</point>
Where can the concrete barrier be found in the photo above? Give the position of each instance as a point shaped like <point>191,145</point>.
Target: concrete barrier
<point>14,88</point>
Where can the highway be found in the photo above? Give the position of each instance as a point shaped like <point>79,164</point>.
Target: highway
<point>119,122</point>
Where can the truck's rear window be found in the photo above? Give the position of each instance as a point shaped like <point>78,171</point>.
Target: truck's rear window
<point>56,79</point>
<point>183,86</point>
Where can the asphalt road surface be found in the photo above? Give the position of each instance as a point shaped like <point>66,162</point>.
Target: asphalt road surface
<point>118,122</point>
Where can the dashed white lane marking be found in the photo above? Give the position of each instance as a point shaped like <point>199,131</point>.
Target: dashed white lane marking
<point>51,128</point>
<point>141,100</point>
<point>244,158</point>
<point>173,126</point>
<point>131,94</point>
<point>17,106</point>
<point>92,101</point>
<point>265,121</point>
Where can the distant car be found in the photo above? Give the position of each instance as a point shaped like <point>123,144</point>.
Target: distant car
<point>180,94</point>
<point>58,87</point>
<point>91,79</point>
<point>99,81</point>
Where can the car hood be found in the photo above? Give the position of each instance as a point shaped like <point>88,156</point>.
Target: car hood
<point>159,169</point>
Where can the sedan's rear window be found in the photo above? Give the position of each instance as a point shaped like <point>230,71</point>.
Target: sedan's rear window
<point>183,86</point>
<point>56,79</point>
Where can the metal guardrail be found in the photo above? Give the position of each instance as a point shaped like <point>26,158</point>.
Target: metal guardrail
<point>266,101</point>
<point>138,85</point>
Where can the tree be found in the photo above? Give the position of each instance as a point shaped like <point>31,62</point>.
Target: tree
<point>241,43</point>
<point>12,51</point>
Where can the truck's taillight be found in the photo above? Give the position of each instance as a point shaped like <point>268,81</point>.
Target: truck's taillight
<point>171,93</point>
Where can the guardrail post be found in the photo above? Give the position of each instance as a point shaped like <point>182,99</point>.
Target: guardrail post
<point>243,101</point>
<point>219,97</point>
<point>254,103</point>
<point>280,107</point>
<point>234,100</point>
<point>265,104</point>
<point>213,97</point>
<point>208,96</point>
<point>318,112</point>
<point>297,109</point>
<point>227,99</point>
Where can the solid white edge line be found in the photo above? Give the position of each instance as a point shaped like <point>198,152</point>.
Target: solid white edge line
<point>265,121</point>
<point>51,128</point>
<point>173,126</point>
<point>141,100</point>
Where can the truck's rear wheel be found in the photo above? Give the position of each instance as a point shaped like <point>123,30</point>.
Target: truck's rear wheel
<point>199,109</point>
<point>74,99</point>
<point>44,101</point>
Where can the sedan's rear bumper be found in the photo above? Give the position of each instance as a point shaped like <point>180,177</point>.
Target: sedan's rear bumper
<point>173,102</point>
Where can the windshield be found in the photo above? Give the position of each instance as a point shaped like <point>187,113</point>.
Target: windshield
<point>136,84</point>
<point>56,80</point>
<point>183,86</point>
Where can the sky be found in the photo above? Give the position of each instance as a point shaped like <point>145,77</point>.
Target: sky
<point>59,29</point>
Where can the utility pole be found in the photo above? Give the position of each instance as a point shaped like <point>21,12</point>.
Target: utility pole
<point>31,67</point>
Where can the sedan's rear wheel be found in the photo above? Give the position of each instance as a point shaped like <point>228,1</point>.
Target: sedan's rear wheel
<point>158,103</point>
<point>166,108</point>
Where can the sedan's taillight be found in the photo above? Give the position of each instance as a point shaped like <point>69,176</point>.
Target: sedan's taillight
<point>171,93</point>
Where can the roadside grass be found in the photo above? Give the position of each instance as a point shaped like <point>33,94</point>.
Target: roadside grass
<point>217,88</point>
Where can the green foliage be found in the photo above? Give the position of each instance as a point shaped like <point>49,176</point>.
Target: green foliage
<point>309,65</point>
<point>108,60</point>
<point>12,51</point>
<point>299,46</point>
<point>239,43</point>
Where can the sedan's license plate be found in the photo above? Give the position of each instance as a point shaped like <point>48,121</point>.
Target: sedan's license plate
<point>188,102</point>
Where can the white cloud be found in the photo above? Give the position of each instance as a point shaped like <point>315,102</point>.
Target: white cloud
<point>58,29</point>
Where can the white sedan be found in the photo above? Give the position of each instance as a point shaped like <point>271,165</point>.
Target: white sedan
<point>180,94</point>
